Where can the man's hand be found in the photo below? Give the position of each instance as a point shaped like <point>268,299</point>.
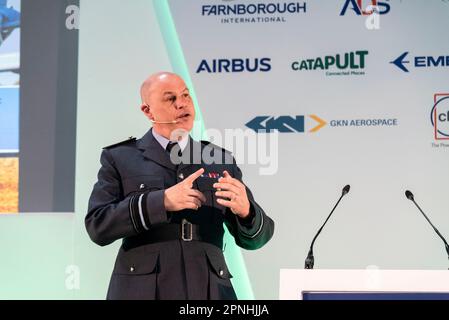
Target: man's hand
<point>181,196</point>
<point>235,191</point>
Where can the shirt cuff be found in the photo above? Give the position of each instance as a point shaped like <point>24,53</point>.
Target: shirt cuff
<point>250,226</point>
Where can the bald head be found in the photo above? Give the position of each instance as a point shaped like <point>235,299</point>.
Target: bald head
<point>148,85</point>
<point>166,102</point>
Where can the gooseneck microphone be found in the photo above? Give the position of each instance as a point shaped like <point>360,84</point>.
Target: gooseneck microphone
<point>310,260</point>
<point>410,196</point>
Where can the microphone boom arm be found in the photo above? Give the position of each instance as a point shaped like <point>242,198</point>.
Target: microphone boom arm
<point>434,228</point>
<point>310,260</point>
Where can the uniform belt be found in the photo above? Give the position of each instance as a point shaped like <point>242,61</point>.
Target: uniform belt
<point>185,231</point>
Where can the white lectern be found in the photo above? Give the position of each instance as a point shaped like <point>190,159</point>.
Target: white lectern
<point>298,284</point>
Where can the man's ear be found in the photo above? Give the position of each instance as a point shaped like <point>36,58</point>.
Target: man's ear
<point>146,109</point>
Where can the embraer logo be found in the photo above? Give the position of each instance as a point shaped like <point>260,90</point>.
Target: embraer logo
<point>284,123</point>
<point>399,62</point>
<point>421,62</point>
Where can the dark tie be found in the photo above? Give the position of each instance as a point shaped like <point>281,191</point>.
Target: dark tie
<point>173,156</point>
<point>176,147</point>
<point>170,146</point>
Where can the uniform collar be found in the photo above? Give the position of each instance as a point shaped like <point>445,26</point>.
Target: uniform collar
<point>155,150</point>
<point>163,141</point>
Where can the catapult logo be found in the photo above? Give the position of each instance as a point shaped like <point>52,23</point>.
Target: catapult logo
<point>347,64</point>
<point>405,62</point>
<point>231,12</point>
<point>365,8</point>
<point>439,116</point>
<point>234,65</point>
<point>284,124</point>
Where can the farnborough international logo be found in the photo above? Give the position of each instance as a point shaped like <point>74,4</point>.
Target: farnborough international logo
<point>439,117</point>
<point>263,12</point>
<point>348,64</point>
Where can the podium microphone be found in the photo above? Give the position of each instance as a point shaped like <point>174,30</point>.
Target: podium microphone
<point>310,260</point>
<point>410,196</point>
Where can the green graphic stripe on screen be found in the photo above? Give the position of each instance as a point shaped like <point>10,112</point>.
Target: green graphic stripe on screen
<point>233,254</point>
<point>177,60</point>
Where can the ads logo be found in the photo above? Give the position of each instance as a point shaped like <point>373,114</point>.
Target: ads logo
<point>439,116</point>
<point>365,8</point>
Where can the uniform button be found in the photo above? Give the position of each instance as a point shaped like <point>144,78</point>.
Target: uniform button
<point>142,186</point>
<point>131,269</point>
<point>221,272</point>
<point>181,176</point>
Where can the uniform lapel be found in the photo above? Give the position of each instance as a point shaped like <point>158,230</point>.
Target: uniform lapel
<point>153,150</point>
<point>192,147</point>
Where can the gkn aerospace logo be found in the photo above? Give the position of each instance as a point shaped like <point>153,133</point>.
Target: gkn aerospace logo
<point>312,123</point>
<point>365,8</point>
<point>406,61</point>
<point>347,64</point>
<point>263,12</point>
<point>439,117</point>
<point>285,123</point>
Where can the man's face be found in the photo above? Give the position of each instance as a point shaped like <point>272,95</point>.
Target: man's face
<point>169,99</point>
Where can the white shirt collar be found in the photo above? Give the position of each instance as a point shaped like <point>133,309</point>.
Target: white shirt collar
<point>163,141</point>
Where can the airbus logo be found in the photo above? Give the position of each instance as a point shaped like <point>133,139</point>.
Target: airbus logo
<point>284,124</point>
<point>403,62</point>
<point>234,65</point>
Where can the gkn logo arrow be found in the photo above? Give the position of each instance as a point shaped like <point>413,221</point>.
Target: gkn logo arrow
<point>284,123</point>
<point>420,61</point>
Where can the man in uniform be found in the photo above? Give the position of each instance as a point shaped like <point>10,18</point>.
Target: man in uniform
<point>169,209</point>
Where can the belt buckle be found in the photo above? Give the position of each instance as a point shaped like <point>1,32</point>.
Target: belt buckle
<point>186,225</point>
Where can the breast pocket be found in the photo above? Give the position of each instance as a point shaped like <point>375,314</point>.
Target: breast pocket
<point>141,184</point>
<point>205,185</point>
